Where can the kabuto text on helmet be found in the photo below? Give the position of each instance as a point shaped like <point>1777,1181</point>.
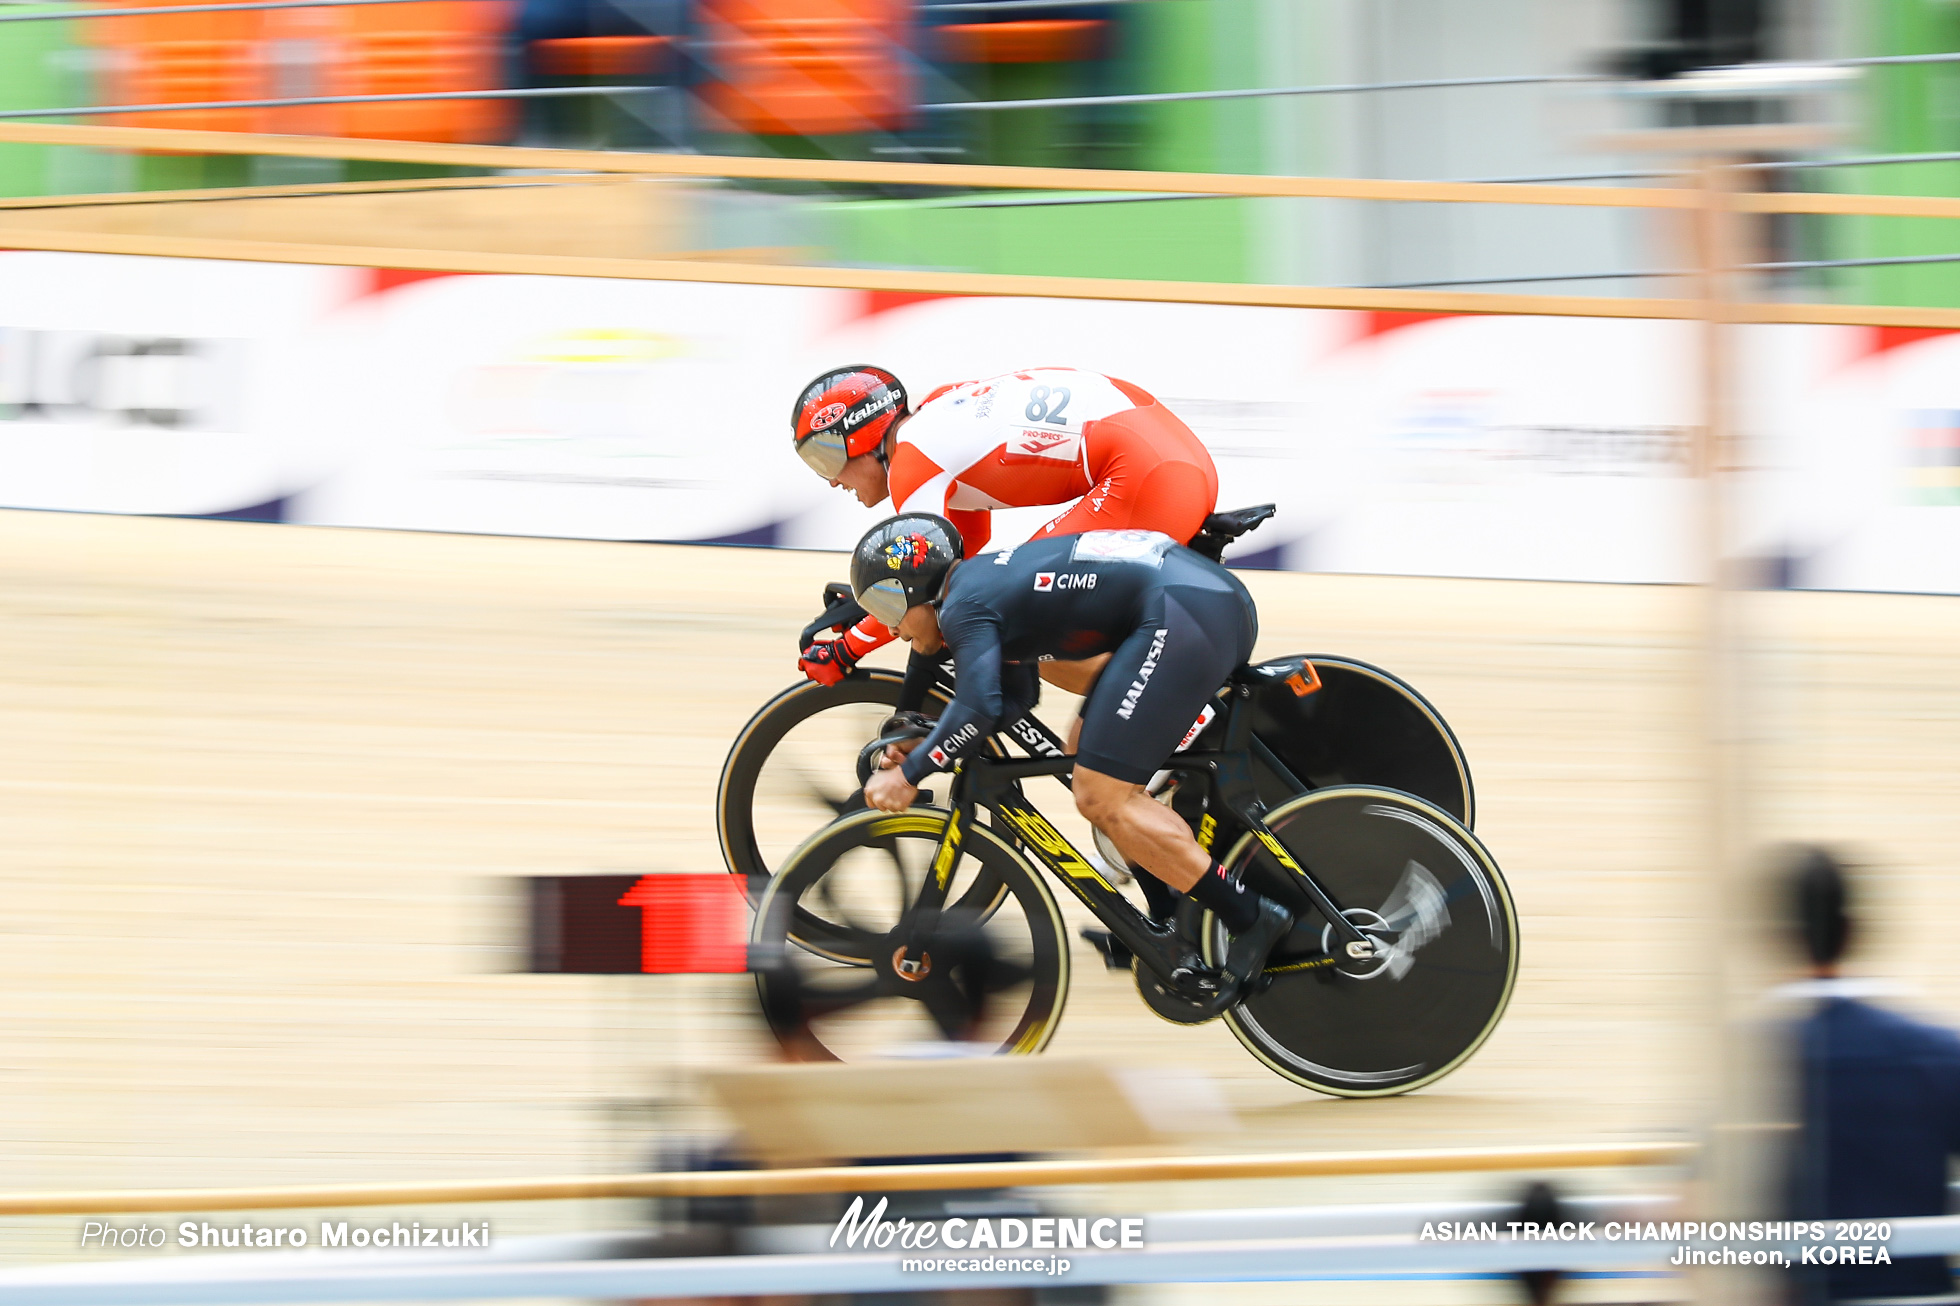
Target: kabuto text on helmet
<point>846,412</point>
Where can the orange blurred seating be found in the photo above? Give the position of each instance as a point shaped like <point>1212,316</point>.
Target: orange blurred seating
<point>809,67</point>
<point>1050,40</point>
<point>434,45</point>
<point>180,58</point>
<point>440,45</point>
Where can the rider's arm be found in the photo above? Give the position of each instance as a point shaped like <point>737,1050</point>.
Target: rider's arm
<point>975,525</point>
<point>1020,689</point>
<point>921,669</point>
<point>978,702</point>
<point>912,476</point>
<point>918,484</point>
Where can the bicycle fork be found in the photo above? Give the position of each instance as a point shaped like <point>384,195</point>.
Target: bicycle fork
<point>911,961</point>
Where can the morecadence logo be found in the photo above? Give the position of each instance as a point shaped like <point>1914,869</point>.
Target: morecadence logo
<point>859,1230</point>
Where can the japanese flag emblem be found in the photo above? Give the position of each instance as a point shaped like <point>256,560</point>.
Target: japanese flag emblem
<point>1044,581</point>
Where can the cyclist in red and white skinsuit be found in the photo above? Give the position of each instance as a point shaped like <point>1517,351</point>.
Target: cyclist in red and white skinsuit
<point>1045,435</point>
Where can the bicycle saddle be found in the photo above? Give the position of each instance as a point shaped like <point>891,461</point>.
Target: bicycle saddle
<point>1238,521</point>
<point>1296,672</point>
<point>1221,528</point>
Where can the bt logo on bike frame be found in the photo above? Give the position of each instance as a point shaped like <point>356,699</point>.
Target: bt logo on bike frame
<point>1047,581</point>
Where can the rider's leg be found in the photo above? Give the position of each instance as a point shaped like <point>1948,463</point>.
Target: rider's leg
<point>1191,638</point>
<point>1151,473</point>
<point>1158,897</point>
<point>1143,829</point>
<point>1157,839</point>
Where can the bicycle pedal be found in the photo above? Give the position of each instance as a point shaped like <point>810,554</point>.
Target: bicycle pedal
<point>1115,956</point>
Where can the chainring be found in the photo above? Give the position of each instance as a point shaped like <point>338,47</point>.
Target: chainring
<point>1167,1003</point>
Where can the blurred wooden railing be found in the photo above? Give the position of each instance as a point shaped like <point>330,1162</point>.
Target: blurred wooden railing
<point>1685,199</point>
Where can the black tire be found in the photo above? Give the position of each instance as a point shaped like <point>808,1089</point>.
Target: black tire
<point>1366,726</point>
<point>735,814</point>
<point>1004,989</point>
<point>1407,871</point>
<point>828,793</point>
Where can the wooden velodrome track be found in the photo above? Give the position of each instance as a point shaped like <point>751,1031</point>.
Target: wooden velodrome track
<point>266,790</point>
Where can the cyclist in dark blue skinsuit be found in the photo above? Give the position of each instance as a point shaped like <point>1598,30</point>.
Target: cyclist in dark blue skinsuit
<point>1176,625</point>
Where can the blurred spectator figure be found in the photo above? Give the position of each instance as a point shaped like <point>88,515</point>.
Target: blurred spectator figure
<point>1690,34</point>
<point>1686,36</point>
<point>1878,1096</point>
<point>1540,1206</point>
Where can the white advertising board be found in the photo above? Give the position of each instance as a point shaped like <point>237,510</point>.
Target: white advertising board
<point>148,385</point>
<point>1475,446</point>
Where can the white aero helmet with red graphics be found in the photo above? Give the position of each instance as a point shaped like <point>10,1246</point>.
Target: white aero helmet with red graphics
<point>846,412</point>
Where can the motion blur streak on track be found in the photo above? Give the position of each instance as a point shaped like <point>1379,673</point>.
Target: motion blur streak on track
<point>265,790</point>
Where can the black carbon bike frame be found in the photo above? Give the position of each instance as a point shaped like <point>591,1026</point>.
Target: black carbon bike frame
<point>1230,788</point>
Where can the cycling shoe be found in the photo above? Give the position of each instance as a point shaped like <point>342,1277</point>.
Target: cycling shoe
<point>1246,956</point>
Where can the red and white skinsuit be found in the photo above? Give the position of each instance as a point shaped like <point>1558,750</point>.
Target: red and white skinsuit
<point>1040,436</point>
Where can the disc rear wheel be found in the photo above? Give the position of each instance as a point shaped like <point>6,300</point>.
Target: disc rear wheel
<point>1425,892</point>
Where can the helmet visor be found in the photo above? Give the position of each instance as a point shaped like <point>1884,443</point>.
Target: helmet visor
<point>885,599</point>
<point>825,452</point>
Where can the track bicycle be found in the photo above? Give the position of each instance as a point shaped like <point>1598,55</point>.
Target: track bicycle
<point>936,924</point>
<point>785,770</point>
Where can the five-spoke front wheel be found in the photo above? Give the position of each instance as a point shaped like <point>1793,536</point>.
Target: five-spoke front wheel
<point>994,981</point>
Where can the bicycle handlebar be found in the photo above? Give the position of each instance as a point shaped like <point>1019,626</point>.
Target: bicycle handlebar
<point>841,611</point>
<point>895,733</point>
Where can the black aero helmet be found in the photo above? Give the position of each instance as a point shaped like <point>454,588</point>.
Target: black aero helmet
<point>902,562</point>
